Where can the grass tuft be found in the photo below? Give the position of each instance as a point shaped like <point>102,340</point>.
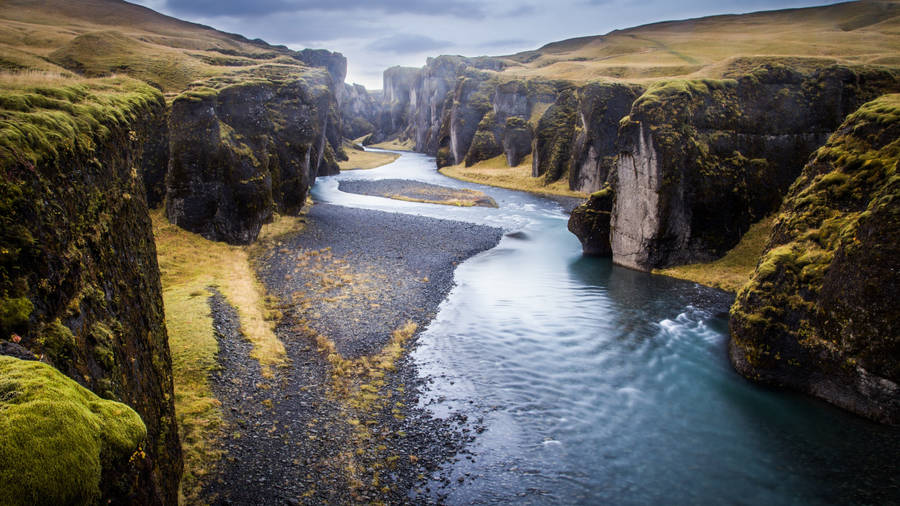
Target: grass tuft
<point>496,172</point>
<point>189,265</point>
<point>732,271</point>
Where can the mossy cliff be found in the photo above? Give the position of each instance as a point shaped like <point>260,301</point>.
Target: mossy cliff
<point>59,442</point>
<point>464,110</point>
<point>79,282</point>
<point>818,313</point>
<point>700,160</point>
<point>244,149</point>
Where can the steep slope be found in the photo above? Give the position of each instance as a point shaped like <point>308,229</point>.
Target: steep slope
<point>79,282</point>
<point>247,148</point>
<point>817,314</point>
<point>696,127</point>
<point>98,38</point>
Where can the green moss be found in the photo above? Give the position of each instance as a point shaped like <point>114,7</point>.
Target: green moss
<point>14,312</point>
<point>56,437</point>
<point>40,121</point>
<point>818,294</point>
<point>56,340</point>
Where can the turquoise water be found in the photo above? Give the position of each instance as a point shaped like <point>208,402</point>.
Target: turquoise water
<point>597,384</point>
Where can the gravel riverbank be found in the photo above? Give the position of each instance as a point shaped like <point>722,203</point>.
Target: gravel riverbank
<point>341,424</point>
<point>405,189</point>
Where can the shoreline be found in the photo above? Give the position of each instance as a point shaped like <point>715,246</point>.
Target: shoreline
<point>340,423</point>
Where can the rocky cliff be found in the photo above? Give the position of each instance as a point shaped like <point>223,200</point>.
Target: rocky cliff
<point>242,149</point>
<point>700,160</point>
<point>360,111</point>
<point>818,313</point>
<point>79,282</point>
<point>462,110</point>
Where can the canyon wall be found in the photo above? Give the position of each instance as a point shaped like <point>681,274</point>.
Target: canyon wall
<point>817,314</point>
<point>79,282</point>
<point>241,151</point>
<point>700,160</point>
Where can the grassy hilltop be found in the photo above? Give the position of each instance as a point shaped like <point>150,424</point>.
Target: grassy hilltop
<point>851,33</point>
<point>97,38</point>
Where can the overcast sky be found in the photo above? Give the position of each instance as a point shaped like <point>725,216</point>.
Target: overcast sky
<point>375,35</point>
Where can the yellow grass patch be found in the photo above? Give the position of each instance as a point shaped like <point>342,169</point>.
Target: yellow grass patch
<point>495,172</point>
<point>732,271</point>
<point>366,159</point>
<point>396,145</point>
<point>189,264</point>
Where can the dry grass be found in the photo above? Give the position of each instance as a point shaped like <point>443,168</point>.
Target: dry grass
<point>495,172</point>
<point>850,33</point>
<point>396,145</point>
<point>732,271</point>
<point>360,160</point>
<point>99,37</point>
<point>189,264</point>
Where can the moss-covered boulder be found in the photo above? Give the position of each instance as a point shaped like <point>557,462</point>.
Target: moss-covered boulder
<point>818,314</point>
<point>79,282</point>
<point>486,143</point>
<point>59,442</point>
<point>242,150</point>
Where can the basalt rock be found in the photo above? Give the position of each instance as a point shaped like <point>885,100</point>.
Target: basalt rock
<point>79,281</point>
<point>243,151</point>
<point>590,223</point>
<point>701,160</point>
<point>360,111</point>
<point>817,314</point>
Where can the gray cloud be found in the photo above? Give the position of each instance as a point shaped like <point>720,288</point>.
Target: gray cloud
<point>298,27</point>
<point>408,44</point>
<point>521,10</point>
<point>505,43</point>
<point>216,8</point>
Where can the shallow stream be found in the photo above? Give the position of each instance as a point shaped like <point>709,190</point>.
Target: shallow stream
<point>597,384</point>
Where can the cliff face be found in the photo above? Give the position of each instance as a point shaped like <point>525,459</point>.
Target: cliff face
<point>360,111</point>
<point>79,283</point>
<point>817,314</point>
<point>246,150</point>
<point>399,99</point>
<point>460,110</point>
<point>699,161</point>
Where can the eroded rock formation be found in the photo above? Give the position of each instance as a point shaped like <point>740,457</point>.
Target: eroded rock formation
<point>817,314</point>
<point>699,161</point>
<point>242,151</point>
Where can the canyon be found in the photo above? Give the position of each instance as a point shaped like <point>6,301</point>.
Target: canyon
<point>677,157</point>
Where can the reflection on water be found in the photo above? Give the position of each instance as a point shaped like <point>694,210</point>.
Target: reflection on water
<point>600,384</point>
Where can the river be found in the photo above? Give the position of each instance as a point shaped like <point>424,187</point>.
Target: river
<point>598,384</point>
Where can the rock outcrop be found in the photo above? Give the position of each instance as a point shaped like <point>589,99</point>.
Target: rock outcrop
<point>818,313</point>
<point>462,110</point>
<point>360,111</point>
<point>79,281</point>
<point>700,160</point>
<point>242,150</point>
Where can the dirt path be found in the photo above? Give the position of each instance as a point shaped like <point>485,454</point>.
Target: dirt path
<point>340,423</point>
